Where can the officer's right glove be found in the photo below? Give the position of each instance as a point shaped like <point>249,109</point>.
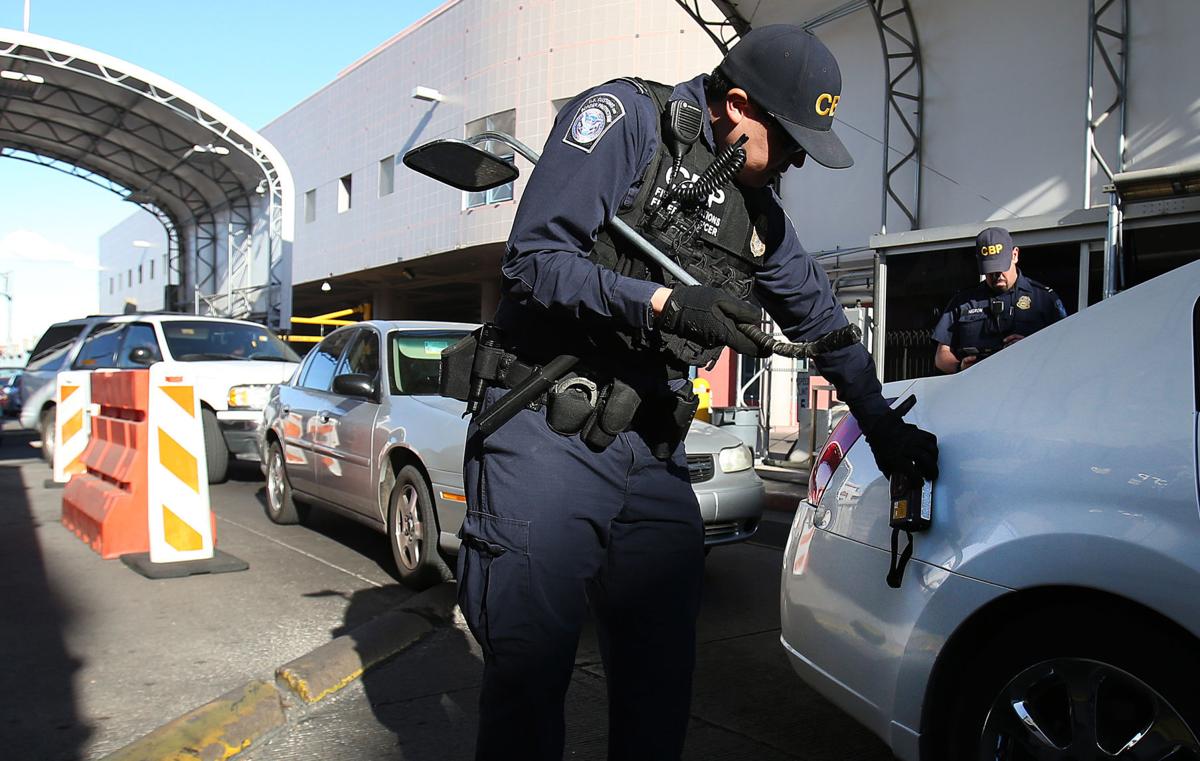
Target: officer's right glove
<point>709,316</point>
<point>902,447</point>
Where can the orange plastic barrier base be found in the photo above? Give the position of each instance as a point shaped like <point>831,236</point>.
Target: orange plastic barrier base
<point>105,517</point>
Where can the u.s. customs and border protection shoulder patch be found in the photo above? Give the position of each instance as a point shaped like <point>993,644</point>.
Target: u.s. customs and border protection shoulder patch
<point>596,115</point>
<point>1024,302</point>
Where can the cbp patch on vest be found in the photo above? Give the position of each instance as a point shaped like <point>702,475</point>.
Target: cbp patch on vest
<point>596,115</point>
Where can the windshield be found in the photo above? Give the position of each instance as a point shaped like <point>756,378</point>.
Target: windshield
<point>207,340</point>
<point>415,358</point>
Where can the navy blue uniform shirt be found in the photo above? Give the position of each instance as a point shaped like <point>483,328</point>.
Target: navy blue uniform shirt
<point>589,172</point>
<point>970,321</point>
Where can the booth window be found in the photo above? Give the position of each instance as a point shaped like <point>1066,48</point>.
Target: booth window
<point>345,192</point>
<point>310,205</point>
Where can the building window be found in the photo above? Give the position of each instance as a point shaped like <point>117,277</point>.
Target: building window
<point>345,193</point>
<point>505,121</point>
<point>151,269</point>
<point>310,205</point>
<point>111,285</point>
<point>387,175</point>
<point>129,279</point>
<point>139,274</point>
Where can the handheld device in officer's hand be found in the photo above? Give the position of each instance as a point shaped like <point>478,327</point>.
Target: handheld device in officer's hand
<point>911,510</point>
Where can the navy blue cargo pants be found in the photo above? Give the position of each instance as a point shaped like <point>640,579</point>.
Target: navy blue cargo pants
<point>551,528</point>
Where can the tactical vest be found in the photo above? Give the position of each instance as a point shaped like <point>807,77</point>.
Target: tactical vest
<point>721,242</point>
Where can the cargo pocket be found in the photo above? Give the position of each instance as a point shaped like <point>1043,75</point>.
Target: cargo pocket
<point>494,577</point>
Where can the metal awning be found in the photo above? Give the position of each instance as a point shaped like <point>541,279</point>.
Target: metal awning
<point>222,192</point>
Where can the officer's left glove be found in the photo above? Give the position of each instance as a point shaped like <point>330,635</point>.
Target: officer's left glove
<point>902,447</point>
<point>709,316</point>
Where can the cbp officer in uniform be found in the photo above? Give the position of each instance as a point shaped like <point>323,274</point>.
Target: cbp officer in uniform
<point>1001,310</point>
<point>582,499</point>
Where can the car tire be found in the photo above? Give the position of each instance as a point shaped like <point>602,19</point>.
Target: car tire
<point>216,453</point>
<point>1022,694</point>
<point>413,531</point>
<point>281,506</point>
<point>46,424</point>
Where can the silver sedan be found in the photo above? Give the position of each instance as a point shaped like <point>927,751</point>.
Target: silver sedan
<point>1050,611</point>
<point>360,429</point>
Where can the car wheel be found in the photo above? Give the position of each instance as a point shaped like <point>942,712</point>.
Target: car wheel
<point>1073,688</point>
<point>46,428</point>
<point>281,507</point>
<point>413,531</point>
<point>215,451</point>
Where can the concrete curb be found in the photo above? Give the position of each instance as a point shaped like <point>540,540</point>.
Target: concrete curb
<point>233,722</point>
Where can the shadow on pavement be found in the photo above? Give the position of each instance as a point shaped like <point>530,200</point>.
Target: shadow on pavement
<point>40,718</point>
<point>351,534</point>
<point>426,699</point>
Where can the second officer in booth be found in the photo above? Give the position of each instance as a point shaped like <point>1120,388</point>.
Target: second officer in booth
<point>1003,308</point>
<point>581,500</point>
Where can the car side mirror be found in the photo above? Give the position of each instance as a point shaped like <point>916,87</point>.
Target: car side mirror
<point>143,355</point>
<point>355,384</point>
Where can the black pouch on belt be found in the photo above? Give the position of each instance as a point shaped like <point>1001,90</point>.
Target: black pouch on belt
<point>673,421</point>
<point>570,403</point>
<point>613,414</point>
<point>455,379</point>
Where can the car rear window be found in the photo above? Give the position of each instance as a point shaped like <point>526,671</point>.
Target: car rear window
<point>53,345</point>
<point>206,340</point>
<point>416,359</point>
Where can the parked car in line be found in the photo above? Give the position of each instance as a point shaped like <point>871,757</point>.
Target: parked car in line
<point>361,430</point>
<point>234,363</point>
<point>10,392</point>
<point>1050,611</point>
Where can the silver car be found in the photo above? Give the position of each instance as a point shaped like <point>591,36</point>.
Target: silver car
<point>1051,610</point>
<point>360,429</point>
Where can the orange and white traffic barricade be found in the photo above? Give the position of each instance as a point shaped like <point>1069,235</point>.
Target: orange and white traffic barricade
<point>180,515</point>
<point>72,423</point>
<point>144,496</point>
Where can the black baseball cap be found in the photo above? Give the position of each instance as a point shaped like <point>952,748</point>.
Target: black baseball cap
<point>993,250</point>
<point>789,72</point>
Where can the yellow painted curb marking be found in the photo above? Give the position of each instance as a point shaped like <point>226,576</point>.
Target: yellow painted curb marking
<point>183,396</point>
<point>179,534</point>
<point>178,460</point>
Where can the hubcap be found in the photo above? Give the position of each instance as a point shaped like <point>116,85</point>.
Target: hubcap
<point>275,482</point>
<point>408,529</point>
<point>1072,709</point>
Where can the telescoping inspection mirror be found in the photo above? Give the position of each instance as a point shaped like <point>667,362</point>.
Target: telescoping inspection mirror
<point>461,165</point>
<point>465,165</point>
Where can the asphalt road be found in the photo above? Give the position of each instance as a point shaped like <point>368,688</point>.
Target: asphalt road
<point>97,656</point>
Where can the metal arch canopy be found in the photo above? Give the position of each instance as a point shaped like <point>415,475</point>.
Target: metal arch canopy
<point>222,191</point>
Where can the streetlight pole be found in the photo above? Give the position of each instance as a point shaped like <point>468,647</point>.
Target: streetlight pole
<point>7,293</point>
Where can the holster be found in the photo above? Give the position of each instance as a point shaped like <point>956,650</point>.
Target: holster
<point>667,419</point>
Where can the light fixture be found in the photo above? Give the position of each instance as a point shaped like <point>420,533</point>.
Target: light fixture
<point>142,244</point>
<point>325,286</point>
<point>426,93</point>
<point>407,274</point>
<point>207,152</point>
<point>19,83</point>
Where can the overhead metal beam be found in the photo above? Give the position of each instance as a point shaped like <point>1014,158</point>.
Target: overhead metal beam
<point>1108,39</point>
<point>904,101</point>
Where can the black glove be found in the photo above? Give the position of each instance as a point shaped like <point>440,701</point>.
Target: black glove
<point>709,316</point>
<point>901,446</point>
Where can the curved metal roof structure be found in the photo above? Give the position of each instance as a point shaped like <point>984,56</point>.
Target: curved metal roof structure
<point>222,192</point>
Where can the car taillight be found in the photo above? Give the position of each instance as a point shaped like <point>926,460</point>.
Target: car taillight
<point>840,440</point>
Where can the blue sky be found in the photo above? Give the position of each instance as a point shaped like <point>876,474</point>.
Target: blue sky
<point>253,58</point>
